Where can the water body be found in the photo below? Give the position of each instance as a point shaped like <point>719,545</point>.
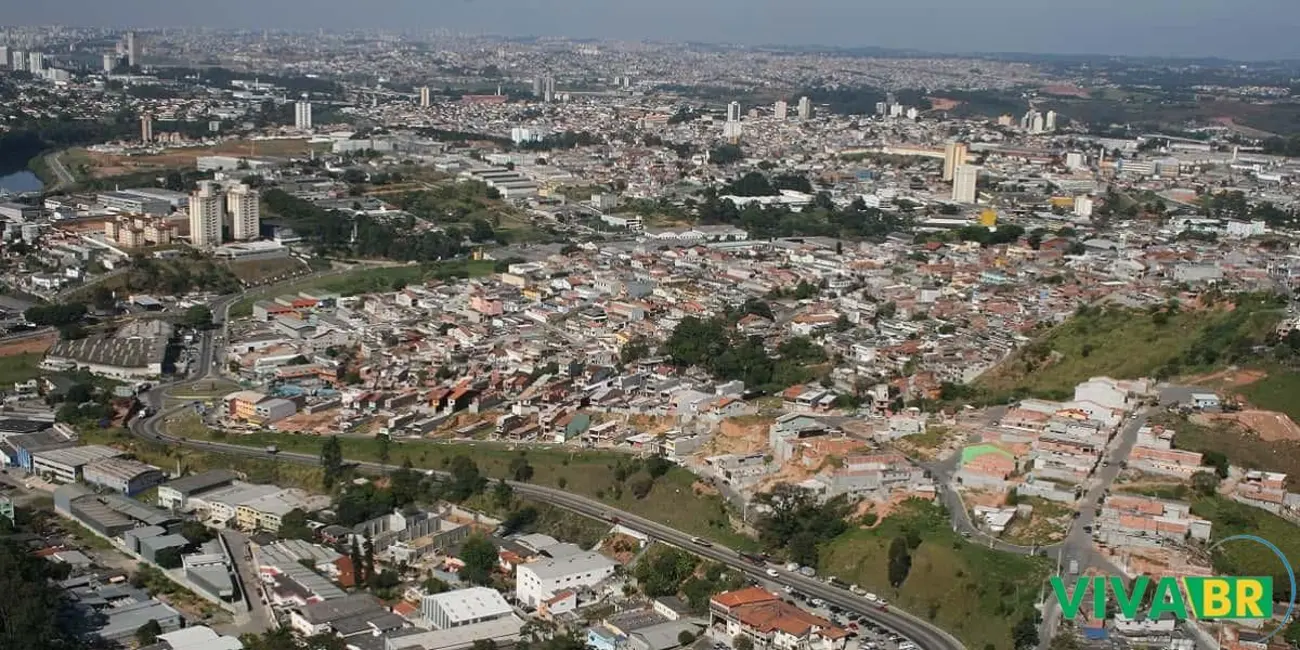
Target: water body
<point>21,182</point>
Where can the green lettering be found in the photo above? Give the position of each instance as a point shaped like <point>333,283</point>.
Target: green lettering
<point>1099,598</point>
<point>1129,602</point>
<point>1168,599</point>
<point>1070,603</point>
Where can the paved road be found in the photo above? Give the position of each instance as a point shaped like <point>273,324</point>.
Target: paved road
<point>922,633</point>
<point>56,165</point>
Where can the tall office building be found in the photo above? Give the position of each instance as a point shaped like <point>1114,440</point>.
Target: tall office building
<point>146,128</point>
<point>781,109</point>
<point>36,63</point>
<point>805,108</point>
<point>110,63</point>
<point>733,112</point>
<point>1049,122</point>
<point>964,179</point>
<point>244,212</point>
<point>537,86</point>
<point>132,49</point>
<point>549,90</point>
<point>20,61</point>
<point>302,115</point>
<point>424,97</point>
<point>1037,125</point>
<point>207,213</point>
<point>4,56</point>
<point>954,153</point>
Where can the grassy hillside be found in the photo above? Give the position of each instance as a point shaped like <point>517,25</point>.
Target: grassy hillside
<point>1249,558</point>
<point>1278,391</point>
<point>603,475</point>
<point>1128,343</point>
<point>975,593</point>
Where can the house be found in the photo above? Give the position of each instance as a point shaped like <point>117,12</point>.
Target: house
<point>1204,401</point>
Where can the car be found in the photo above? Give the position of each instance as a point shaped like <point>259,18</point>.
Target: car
<point>772,573</point>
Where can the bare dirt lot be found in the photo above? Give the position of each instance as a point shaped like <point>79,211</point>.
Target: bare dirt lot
<point>99,165</point>
<point>1271,426</point>
<point>38,344</point>
<point>1228,379</point>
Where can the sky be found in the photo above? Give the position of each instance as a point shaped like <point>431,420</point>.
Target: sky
<point>1238,29</point>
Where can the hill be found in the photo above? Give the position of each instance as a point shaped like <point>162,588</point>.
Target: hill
<point>1163,341</point>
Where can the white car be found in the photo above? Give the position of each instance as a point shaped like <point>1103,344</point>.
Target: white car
<point>772,573</point>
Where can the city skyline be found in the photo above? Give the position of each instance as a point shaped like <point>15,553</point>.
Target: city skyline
<point>1187,28</point>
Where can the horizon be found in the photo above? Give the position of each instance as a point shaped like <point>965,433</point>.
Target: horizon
<point>1174,29</point>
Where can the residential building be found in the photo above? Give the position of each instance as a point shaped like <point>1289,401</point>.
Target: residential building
<point>964,181</point>
<point>302,115</point>
<point>207,214</point>
<point>243,207</point>
<point>954,154</point>
<point>770,623</point>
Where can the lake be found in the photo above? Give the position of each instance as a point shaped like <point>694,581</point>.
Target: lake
<point>20,182</point>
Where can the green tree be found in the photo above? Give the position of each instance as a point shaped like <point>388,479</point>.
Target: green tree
<point>520,470</point>
<point>502,494</point>
<point>1205,483</point>
<point>466,481</point>
<point>900,561</point>
<point>432,585</point>
<point>198,317</point>
<point>685,638</point>
<point>480,558</point>
<point>385,444</point>
<point>1024,634</point>
<point>331,461</point>
<point>294,526</point>
<point>168,558</point>
<point>742,642</point>
<point>147,634</point>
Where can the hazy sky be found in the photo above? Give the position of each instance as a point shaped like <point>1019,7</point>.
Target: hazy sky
<point>1246,29</point>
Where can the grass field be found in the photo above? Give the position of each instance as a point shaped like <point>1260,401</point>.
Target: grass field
<point>1245,558</point>
<point>20,367</point>
<point>255,272</point>
<point>672,501</point>
<point>1242,447</point>
<point>366,280</point>
<point>169,458</point>
<point>1125,344</point>
<point>973,592</point>
<point>1279,391</point>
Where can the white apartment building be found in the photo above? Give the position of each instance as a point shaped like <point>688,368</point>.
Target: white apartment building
<point>964,180</point>
<point>244,210</point>
<point>538,581</point>
<point>207,213</point>
<point>302,115</point>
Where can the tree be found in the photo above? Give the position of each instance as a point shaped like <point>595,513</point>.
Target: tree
<point>520,470</point>
<point>331,460</point>
<point>55,315</point>
<point>742,642</point>
<point>1025,634</point>
<point>465,479</point>
<point>198,317</point>
<point>900,561</point>
<point>293,525</point>
<point>147,634</point>
<point>641,485</point>
<point>1218,461</point>
<point>483,644</point>
<point>385,447</point>
<point>368,557</point>
<point>685,638</point>
<point>195,532</point>
<point>502,494</point>
<point>1205,483</point>
<point>432,585</point>
<point>358,564</point>
<point>480,558</point>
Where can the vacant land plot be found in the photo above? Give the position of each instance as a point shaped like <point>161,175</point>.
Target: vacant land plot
<point>1128,344</point>
<point>1279,391</point>
<point>1241,446</point>
<point>30,345</point>
<point>976,593</point>
<point>1270,426</point>
<point>1046,525</point>
<point>1245,558</point>
<point>20,367</point>
<point>256,272</point>
<point>94,164</point>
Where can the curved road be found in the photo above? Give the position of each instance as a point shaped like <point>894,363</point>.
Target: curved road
<point>924,634</point>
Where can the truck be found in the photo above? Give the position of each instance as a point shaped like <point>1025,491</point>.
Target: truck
<point>272,449</point>
<point>1074,567</point>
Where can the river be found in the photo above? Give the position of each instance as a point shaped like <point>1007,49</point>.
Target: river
<point>21,182</point>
